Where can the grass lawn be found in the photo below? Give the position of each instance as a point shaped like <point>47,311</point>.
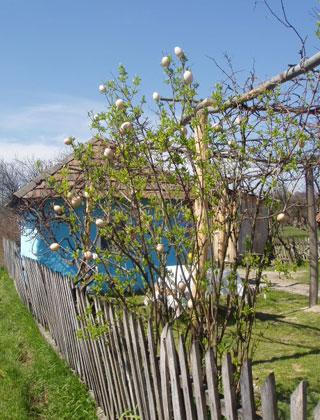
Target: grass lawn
<point>288,343</point>
<point>34,382</point>
<point>288,231</point>
<point>302,274</point>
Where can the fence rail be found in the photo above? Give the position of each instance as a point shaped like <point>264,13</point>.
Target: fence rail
<point>122,366</point>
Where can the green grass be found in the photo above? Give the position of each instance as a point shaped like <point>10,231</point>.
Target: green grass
<point>34,382</point>
<point>301,274</point>
<point>288,343</point>
<point>294,232</point>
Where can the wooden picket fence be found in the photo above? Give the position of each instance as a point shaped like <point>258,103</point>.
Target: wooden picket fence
<point>122,366</point>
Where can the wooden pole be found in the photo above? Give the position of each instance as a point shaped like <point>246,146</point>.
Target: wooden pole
<point>201,203</point>
<point>313,237</point>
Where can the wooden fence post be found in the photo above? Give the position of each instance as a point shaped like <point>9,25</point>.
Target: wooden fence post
<point>212,382</point>
<point>176,397</point>
<point>298,402</point>
<point>198,391</point>
<point>247,396</point>
<point>228,389</point>
<point>269,399</point>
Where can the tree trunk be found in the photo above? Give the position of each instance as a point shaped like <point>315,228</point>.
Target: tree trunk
<point>313,237</point>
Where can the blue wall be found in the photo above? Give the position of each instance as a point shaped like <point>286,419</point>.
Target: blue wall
<point>34,246</point>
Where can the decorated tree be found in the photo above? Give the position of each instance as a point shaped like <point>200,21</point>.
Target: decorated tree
<point>193,184</point>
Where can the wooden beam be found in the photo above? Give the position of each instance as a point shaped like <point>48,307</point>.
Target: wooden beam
<point>201,203</point>
<point>285,76</point>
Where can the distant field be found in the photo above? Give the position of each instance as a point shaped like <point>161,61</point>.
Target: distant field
<point>34,382</point>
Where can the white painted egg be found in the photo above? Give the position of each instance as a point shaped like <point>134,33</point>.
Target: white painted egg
<point>120,104</point>
<point>190,304</point>
<point>182,286</point>
<point>125,127</point>
<point>68,140</point>
<point>156,96</point>
<point>102,88</point>
<point>57,209</point>
<point>160,248</point>
<point>100,222</point>
<point>188,77</point>
<point>54,246</point>
<point>87,255</point>
<point>282,217</point>
<point>108,153</point>
<point>178,52</point>
<point>76,202</point>
<point>165,61</point>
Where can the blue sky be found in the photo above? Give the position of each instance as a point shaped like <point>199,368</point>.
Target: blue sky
<point>54,54</point>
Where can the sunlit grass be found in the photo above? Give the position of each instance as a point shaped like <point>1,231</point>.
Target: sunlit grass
<point>34,381</point>
<point>287,342</point>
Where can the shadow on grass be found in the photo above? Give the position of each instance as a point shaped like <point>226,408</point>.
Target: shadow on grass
<point>297,355</point>
<point>262,316</point>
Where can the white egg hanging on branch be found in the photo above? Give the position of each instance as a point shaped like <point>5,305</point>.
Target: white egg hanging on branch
<point>87,255</point>
<point>179,52</point>
<point>126,127</point>
<point>188,77</point>
<point>58,209</point>
<point>108,153</point>
<point>68,140</point>
<point>54,246</point>
<point>165,61</point>
<point>160,248</point>
<point>156,96</point>
<point>190,304</point>
<point>76,202</point>
<point>182,286</point>
<point>100,222</point>
<point>102,88</point>
<point>120,104</point>
<point>282,218</point>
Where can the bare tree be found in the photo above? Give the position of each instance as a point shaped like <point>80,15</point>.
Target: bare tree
<point>18,172</point>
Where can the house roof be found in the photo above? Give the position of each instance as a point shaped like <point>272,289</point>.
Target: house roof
<point>38,188</point>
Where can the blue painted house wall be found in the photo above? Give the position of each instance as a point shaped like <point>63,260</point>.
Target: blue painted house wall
<point>33,245</point>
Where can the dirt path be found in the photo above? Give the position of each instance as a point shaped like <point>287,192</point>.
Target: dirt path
<point>295,284</point>
<point>291,285</point>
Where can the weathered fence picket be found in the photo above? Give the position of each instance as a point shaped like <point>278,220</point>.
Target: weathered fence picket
<point>247,396</point>
<point>121,365</point>
<point>269,399</point>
